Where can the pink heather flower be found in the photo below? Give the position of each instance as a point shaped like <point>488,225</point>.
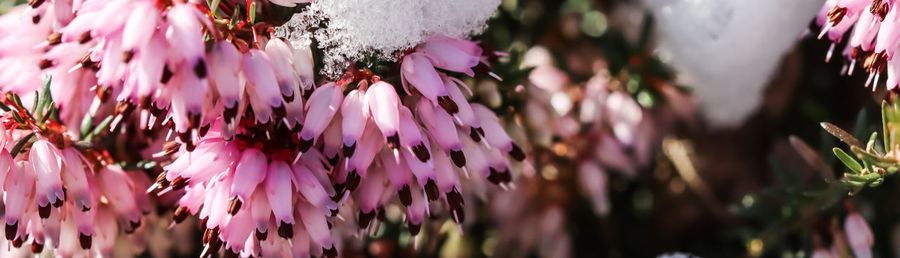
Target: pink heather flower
<point>260,145</point>
<point>244,179</point>
<point>452,54</point>
<point>859,235</point>
<point>98,48</point>
<point>384,107</point>
<point>86,217</point>
<point>46,161</point>
<point>262,87</point>
<point>354,115</point>
<point>874,36</point>
<point>280,55</point>
<point>322,106</point>
<point>289,3</point>
<point>418,71</point>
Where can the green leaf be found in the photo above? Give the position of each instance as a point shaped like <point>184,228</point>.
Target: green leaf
<point>877,182</point>
<point>252,12</point>
<point>872,158</point>
<point>885,131</point>
<point>16,100</point>
<point>213,7</point>
<point>235,18</point>
<point>45,100</point>
<point>21,144</point>
<point>86,124</point>
<point>844,136</point>
<point>100,127</point>
<point>856,177</point>
<point>848,161</point>
<point>852,183</point>
<point>18,118</point>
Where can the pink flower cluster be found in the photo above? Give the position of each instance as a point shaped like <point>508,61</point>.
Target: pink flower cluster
<point>56,196</point>
<point>261,145</point>
<point>874,33</point>
<point>289,180</point>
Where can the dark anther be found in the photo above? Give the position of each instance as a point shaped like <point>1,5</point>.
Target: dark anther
<point>166,75</point>
<point>285,230</point>
<point>84,37</point>
<point>85,241</point>
<point>459,159</point>
<point>45,63</point>
<point>58,203</point>
<point>460,215</point>
<point>35,3</point>
<point>127,56</point>
<point>179,182</point>
<point>836,15</point>
<point>339,192</point>
<point>124,108</point>
<point>230,113</point>
<point>44,211</point>
<point>54,39</point>
<point>169,148</point>
<point>875,62</point>
<point>207,235</point>
<point>330,253</point>
<point>132,226</point>
<point>495,177</point>
<point>333,160</point>
<point>18,242</point>
<point>231,254</point>
<point>517,153</point>
<point>454,199</point>
<point>365,218</point>
<point>200,69</point>
<point>37,248</point>
<point>11,230</point>
<point>103,93</point>
<point>414,229</point>
<point>161,180</point>
<point>448,104</point>
<point>180,214</point>
<point>352,180</point>
<point>193,120</point>
<point>393,141</point>
<point>280,111</point>
<point>473,132</point>
<point>305,144</point>
<point>349,150</point>
<point>431,190</point>
<point>421,152</point>
<point>88,63</point>
<point>234,206</point>
<point>261,236</point>
<point>288,98</point>
<point>405,195</point>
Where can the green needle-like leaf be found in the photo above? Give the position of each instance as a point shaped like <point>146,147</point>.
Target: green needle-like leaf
<point>100,127</point>
<point>848,161</point>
